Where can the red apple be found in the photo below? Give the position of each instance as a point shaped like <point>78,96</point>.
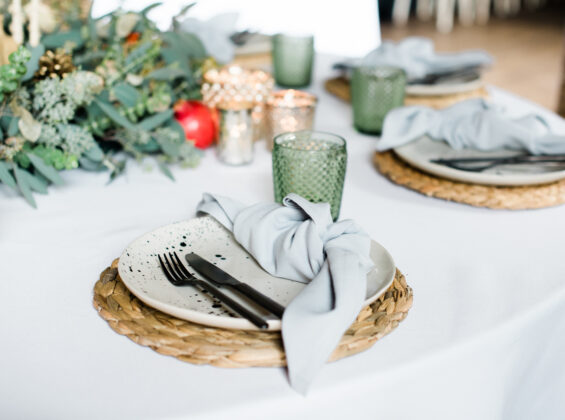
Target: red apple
<point>200,123</point>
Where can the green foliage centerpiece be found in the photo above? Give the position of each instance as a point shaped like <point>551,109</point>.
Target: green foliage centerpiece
<point>92,93</point>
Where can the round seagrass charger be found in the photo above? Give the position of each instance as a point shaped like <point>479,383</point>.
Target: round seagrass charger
<point>339,86</point>
<point>200,344</point>
<point>510,198</point>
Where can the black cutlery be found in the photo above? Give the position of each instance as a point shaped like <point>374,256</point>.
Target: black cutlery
<point>460,75</point>
<point>479,164</point>
<point>219,277</point>
<point>178,275</point>
<point>466,74</point>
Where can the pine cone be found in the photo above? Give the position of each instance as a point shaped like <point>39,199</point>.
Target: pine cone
<point>54,64</point>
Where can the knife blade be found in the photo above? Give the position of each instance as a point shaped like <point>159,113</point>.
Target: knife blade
<point>219,277</point>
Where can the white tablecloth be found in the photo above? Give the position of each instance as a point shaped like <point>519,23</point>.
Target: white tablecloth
<point>485,338</point>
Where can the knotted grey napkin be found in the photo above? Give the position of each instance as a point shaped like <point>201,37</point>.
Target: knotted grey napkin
<point>474,124</point>
<point>417,57</point>
<point>299,241</point>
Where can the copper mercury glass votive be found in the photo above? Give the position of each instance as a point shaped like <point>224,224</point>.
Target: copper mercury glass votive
<point>235,83</point>
<point>289,110</point>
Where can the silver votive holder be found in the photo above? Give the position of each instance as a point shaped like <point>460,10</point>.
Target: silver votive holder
<point>289,110</point>
<point>236,132</point>
<point>237,84</point>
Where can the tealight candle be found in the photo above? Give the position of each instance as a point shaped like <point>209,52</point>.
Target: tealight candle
<point>289,110</point>
<point>236,132</point>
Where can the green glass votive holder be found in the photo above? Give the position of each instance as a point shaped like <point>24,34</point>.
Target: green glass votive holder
<point>293,57</point>
<point>311,164</point>
<point>374,92</point>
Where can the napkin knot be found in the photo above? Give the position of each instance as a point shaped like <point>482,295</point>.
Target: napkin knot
<point>473,124</point>
<point>299,241</point>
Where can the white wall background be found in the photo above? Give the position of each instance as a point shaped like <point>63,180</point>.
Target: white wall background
<point>346,28</point>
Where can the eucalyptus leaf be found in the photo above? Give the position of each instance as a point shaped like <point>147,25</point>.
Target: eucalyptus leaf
<point>126,94</point>
<point>84,60</point>
<point>33,64</point>
<point>90,165</point>
<point>150,7</point>
<point>169,148</point>
<point>5,121</point>
<point>138,53</point>
<point>58,39</point>
<point>166,74</point>
<point>150,147</point>
<point>118,169</point>
<point>94,154</point>
<point>155,120</point>
<point>24,186</point>
<point>36,183</point>
<point>94,112</point>
<point>174,125</point>
<point>193,45</point>
<point>165,169</point>
<point>184,10</point>
<point>114,115</point>
<point>176,56</point>
<point>181,14</point>
<point>6,176</point>
<point>104,95</point>
<point>91,22</point>
<point>13,129</point>
<point>47,171</point>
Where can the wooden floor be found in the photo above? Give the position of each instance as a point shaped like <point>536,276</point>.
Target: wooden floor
<point>529,51</point>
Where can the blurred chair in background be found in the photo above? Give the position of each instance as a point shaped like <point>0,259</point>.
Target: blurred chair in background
<point>469,11</point>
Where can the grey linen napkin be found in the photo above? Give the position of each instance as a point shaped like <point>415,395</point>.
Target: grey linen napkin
<point>474,124</point>
<point>299,241</point>
<point>417,57</point>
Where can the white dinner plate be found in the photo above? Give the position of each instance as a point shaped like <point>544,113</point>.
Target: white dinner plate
<point>444,88</point>
<point>140,271</point>
<point>419,153</point>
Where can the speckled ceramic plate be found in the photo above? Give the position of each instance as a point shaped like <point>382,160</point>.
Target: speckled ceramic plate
<point>140,271</point>
<point>444,88</point>
<point>419,154</point>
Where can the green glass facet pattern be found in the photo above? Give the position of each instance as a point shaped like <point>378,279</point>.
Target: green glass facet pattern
<point>293,58</point>
<point>311,164</point>
<point>374,92</point>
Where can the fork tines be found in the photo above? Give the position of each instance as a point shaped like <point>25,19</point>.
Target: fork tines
<point>175,272</point>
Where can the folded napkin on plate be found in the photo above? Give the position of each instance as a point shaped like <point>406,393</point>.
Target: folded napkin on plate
<point>473,124</point>
<point>417,57</point>
<point>298,241</point>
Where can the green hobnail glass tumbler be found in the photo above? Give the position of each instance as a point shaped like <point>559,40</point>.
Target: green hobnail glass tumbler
<point>293,58</point>
<point>374,92</point>
<point>311,164</point>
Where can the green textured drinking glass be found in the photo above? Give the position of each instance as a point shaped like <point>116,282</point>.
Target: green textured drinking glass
<point>374,92</point>
<point>293,57</point>
<point>311,164</point>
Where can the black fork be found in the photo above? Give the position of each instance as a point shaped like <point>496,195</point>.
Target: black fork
<point>178,275</point>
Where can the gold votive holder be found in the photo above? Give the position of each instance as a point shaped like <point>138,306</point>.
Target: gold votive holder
<point>236,132</point>
<point>237,84</point>
<point>289,110</point>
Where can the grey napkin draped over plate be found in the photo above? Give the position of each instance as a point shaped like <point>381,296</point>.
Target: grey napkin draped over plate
<point>416,56</point>
<point>299,241</point>
<point>474,124</point>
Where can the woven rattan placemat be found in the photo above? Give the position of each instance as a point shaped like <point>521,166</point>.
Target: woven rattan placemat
<point>511,198</point>
<point>339,86</point>
<point>199,344</point>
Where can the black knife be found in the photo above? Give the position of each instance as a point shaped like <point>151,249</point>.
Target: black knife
<point>219,277</point>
